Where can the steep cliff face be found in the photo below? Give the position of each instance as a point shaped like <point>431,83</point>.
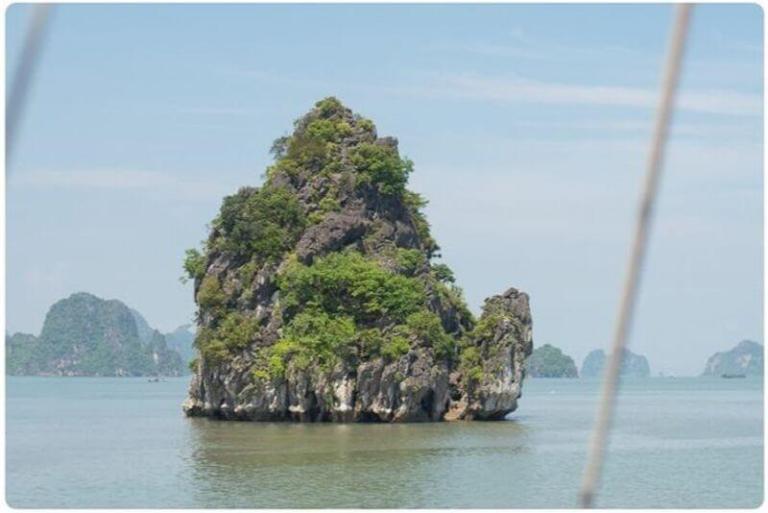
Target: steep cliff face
<point>84,335</point>
<point>319,297</point>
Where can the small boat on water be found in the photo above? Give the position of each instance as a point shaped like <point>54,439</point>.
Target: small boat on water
<point>733,376</point>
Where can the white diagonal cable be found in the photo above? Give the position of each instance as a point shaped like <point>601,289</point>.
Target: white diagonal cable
<point>16,96</point>
<point>604,419</point>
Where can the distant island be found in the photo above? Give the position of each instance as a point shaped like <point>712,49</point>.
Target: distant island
<point>548,361</point>
<point>84,335</point>
<point>633,365</point>
<point>320,297</point>
<point>746,359</point>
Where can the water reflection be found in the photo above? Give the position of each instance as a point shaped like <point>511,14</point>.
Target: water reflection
<point>242,464</point>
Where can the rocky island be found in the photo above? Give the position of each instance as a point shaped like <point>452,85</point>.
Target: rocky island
<point>633,365</point>
<point>320,298</point>
<point>84,335</point>
<point>746,359</point>
<point>549,361</point>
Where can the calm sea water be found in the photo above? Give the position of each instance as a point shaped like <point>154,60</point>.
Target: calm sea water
<point>119,442</point>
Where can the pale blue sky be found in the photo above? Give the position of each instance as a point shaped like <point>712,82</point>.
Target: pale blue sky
<point>528,126</point>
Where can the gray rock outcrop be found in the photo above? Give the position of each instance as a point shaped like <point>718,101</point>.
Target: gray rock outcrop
<point>318,298</point>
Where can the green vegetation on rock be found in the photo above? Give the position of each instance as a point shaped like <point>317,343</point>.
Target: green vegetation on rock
<point>345,305</point>
<point>261,223</point>
<point>349,284</point>
<point>326,271</point>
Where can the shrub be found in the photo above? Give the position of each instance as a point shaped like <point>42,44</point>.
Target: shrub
<point>443,273</point>
<point>427,327</point>
<point>414,201</point>
<point>210,296</point>
<point>280,146</point>
<point>260,374</point>
<point>212,350</point>
<point>383,167</point>
<point>277,355</point>
<point>194,264</point>
<point>328,107</point>
<point>395,347</point>
<point>366,125</point>
<point>370,342</point>
<point>234,332</point>
<point>247,272</point>
<point>329,204</point>
<point>349,284</point>
<point>410,260</point>
<point>325,337</point>
<point>312,337</point>
<point>471,364</point>
<point>264,222</point>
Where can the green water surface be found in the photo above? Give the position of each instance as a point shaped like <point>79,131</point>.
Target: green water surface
<point>121,442</point>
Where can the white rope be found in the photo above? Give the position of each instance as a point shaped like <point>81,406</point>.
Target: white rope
<point>25,68</point>
<point>604,419</point>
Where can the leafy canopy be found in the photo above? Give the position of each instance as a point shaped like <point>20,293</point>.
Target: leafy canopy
<point>259,222</point>
<point>349,284</point>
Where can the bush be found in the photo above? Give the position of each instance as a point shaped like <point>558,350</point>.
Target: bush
<point>210,297</point>
<point>328,107</point>
<point>277,355</point>
<point>194,265</point>
<point>383,167</point>
<point>366,125</point>
<point>395,347</point>
<point>410,261</point>
<point>370,342</point>
<point>264,222</point>
<point>237,331</point>
<point>233,333</point>
<point>315,337</point>
<point>427,327</point>
<point>349,284</point>
<point>471,364</point>
<point>212,350</point>
<point>443,273</point>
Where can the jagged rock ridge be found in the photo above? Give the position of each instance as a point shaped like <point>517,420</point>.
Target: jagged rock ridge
<point>319,297</point>
<point>84,335</point>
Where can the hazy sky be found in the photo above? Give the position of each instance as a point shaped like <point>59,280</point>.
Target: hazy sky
<point>528,126</point>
